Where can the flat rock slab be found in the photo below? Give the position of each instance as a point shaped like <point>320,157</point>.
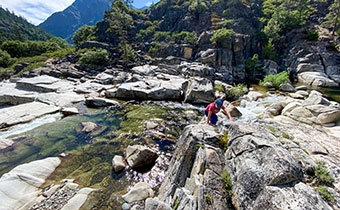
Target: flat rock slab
<point>9,94</point>
<point>20,187</point>
<point>44,84</point>
<point>24,113</point>
<point>78,200</point>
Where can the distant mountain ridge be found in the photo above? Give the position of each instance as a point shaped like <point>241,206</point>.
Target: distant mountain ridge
<point>81,12</point>
<point>13,27</point>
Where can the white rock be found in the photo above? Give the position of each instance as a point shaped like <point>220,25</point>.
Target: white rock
<point>78,200</point>
<point>118,163</point>
<point>139,192</point>
<point>24,113</point>
<point>69,111</point>
<point>254,96</point>
<point>20,186</point>
<point>88,127</point>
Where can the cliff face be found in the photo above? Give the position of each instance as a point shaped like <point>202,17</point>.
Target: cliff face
<point>81,12</point>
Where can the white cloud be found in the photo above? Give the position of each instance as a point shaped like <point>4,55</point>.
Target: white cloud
<point>35,11</point>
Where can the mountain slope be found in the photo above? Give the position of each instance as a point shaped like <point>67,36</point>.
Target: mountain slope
<point>81,12</point>
<point>13,27</point>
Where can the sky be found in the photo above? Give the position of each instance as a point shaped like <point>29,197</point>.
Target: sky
<point>36,11</point>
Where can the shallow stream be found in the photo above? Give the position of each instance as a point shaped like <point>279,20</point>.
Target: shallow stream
<point>88,156</point>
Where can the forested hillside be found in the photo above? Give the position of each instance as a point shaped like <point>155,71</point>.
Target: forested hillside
<point>13,27</point>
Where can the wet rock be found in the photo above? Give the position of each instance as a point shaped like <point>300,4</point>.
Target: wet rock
<point>100,102</point>
<point>138,192</point>
<point>139,156</point>
<point>5,143</point>
<point>88,127</point>
<point>199,91</point>
<point>69,111</point>
<point>118,163</point>
<point>24,113</point>
<point>234,112</point>
<point>254,96</point>
<point>20,187</point>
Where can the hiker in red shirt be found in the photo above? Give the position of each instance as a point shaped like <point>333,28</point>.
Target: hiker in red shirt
<point>212,109</point>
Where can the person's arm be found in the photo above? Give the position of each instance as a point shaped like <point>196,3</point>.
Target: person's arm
<point>228,114</point>
<point>208,119</point>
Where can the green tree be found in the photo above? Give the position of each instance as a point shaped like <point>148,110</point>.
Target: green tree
<point>333,17</point>
<point>82,34</point>
<point>268,51</point>
<point>220,36</point>
<point>5,59</point>
<point>197,7</point>
<point>62,43</point>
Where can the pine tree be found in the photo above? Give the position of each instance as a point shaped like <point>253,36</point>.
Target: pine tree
<point>333,17</point>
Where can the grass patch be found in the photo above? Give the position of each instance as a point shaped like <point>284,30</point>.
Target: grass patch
<point>227,182</point>
<point>286,136</point>
<point>282,142</point>
<point>303,149</point>
<point>224,140</point>
<point>322,175</point>
<point>208,198</point>
<point>220,88</point>
<point>175,205</point>
<point>200,146</point>
<point>272,129</point>
<point>296,142</point>
<point>323,191</point>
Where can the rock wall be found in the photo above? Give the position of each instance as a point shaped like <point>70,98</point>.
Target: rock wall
<point>264,174</point>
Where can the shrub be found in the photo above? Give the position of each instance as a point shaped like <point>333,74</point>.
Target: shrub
<point>224,141</point>
<point>220,36</point>
<point>322,175</point>
<point>96,57</point>
<point>191,38</point>
<point>128,52</point>
<point>197,7</point>
<point>238,90</point>
<point>162,36</point>
<point>208,198</point>
<point>227,182</point>
<point>271,128</point>
<point>323,191</point>
<point>5,59</point>
<point>276,79</point>
<point>29,48</point>
<point>62,43</point>
<point>312,35</point>
<point>220,88</point>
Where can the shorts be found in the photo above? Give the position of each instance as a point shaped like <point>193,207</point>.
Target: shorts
<point>213,118</point>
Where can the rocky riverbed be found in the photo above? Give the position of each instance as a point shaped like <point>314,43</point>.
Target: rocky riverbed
<point>267,158</point>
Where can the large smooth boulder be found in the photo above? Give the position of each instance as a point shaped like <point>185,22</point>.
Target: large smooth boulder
<point>318,79</point>
<point>20,187</point>
<point>24,113</point>
<point>196,70</point>
<point>314,110</point>
<point>168,89</point>
<point>199,91</point>
<point>138,192</point>
<point>138,156</point>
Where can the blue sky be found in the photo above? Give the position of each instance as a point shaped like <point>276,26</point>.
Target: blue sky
<point>36,11</point>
